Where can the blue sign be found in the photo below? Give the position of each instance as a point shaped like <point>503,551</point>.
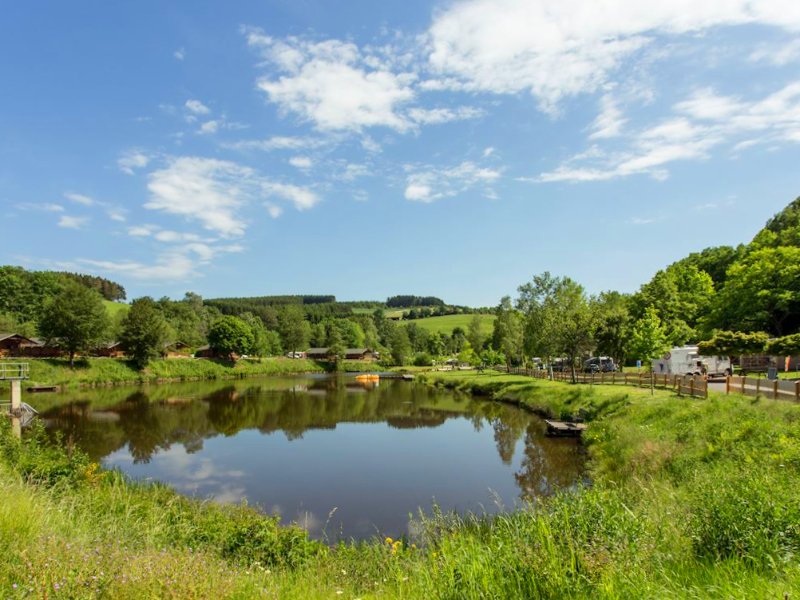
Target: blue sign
<point>638,364</point>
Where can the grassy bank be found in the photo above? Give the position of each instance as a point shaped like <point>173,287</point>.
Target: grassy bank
<point>690,498</point>
<point>100,371</point>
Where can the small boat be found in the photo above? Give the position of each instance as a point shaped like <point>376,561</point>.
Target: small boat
<point>368,377</point>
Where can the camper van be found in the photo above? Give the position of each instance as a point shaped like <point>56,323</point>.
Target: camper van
<point>686,360</point>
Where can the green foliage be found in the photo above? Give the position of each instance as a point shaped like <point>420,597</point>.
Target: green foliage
<point>613,325</point>
<point>76,318</point>
<point>423,359</point>
<point>400,346</point>
<point>781,230</point>
<point>507,334</point>
<point>762,292</point>
<point>788,345</point>
<point>294,329</point>
<point>229,336</point>
<point>144,332</point>
<point>648,337</point>
<point>681,295</point>
<point>733,343</point>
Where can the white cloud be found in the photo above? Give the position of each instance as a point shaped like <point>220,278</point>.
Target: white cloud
<point>430,184</point>
<point>175,236</point>
<point>204,189</point>
<point>196,107</point>
<point>302,198</point>
<point>559,48</point>
<point>216,192</point>
<point>609,122</point>
<point>488,151</point>
<point>274,210</point>
<point>46,206</point>
<point>333,84</point>
<point>208,127</point>
<point>301,162</point>
<point>117,214</point>
<point>132,160</point>
<point>69,222</point>
<point>777,55</point>
<point>701,122</point>
<point>79,198</point>
<point>435,116</point>
<point>275,143</point>
<point>142,230</point>
<point>179,54</point>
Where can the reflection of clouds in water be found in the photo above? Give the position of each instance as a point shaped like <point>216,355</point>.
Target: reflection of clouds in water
<point>231,495</point>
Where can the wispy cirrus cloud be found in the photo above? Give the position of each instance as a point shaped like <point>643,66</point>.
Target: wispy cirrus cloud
<point>703,121</point>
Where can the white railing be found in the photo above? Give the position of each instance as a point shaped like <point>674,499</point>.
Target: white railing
<point>14,370</point>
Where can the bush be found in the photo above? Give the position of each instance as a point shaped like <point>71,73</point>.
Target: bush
<point>423,359</point>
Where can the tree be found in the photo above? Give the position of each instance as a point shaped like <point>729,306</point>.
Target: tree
<point>229,336</point>
<point>144,331</point>
<point>613,325</point>
<point>788,345</point>
<point>261,345</point>
<point>400,346</point>
<point>507,337</point>
<point>335,343</point>
<point>648,337</point>
<point>75,317</point>
<point>294,329</point>
<point>762,293</point>
<point>681,295</point>
<point>474,334</point>
<point>732,343</point>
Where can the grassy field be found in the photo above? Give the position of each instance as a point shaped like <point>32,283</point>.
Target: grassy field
<point>97,371</point>
<point>115,308</point>
<point>689,499</point>
<point>447,323</point>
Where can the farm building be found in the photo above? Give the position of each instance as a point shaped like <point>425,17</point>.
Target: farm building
<point>205,352</point>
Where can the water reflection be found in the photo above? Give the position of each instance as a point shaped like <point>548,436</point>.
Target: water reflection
<point>305,446</point>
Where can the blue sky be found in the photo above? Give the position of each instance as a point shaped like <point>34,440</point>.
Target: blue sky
<point>366,149</point>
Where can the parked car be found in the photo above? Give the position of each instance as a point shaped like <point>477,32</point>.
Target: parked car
<point>598,364</point>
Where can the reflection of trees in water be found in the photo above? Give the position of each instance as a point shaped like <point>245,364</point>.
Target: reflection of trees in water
<point>149,420</point>
<point>549,464</point>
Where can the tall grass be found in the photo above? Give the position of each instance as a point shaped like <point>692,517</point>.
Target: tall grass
<point>689,499</point>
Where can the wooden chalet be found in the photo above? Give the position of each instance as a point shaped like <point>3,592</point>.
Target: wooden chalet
<point>111,350</point>
<point>363,354</point>
<point>176,350</point>
<point>205,352</point>
<point>14,344</point>
<point>318,353</point>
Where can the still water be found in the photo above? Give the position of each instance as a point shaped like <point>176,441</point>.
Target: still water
<point>341,458</point>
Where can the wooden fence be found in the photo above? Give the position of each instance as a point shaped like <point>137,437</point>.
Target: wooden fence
<point>754,386</point>
<point>681,384</point>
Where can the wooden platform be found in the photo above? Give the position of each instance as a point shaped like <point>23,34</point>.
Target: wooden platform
<point>565,428</point>
<point>43,388</point>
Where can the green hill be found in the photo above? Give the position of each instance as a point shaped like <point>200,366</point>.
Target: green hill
<point>447,323</point>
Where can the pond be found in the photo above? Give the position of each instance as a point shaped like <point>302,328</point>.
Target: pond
<point>343,459</point>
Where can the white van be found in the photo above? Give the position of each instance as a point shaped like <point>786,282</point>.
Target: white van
<point>686,360</point>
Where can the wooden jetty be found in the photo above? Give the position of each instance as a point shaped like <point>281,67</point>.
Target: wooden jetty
<point>565,428</point>
<point>43,388</point>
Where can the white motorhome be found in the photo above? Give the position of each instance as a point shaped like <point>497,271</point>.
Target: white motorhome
<point>686,360</point>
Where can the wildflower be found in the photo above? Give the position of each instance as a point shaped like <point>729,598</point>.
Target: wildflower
<point>389,541</point>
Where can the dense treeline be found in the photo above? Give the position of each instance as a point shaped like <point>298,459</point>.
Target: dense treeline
<point>110,290</point>
<point>409,301</point>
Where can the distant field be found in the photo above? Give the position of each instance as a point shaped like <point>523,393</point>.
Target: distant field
<point>363,311</point>
<point>114,308</point>
<point>447,323</point>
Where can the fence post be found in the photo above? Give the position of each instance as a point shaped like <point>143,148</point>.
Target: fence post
<point>728,384</point>
<point>758,386</point>
<point>775,389</point>
<point>744,382</point>
<point>797,391</point>
<point>691,387</point>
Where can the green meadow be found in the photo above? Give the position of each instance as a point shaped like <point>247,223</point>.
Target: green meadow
<point>447,323</point>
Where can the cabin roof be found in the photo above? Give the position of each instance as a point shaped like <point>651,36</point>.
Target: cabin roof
<point>6,336</point>
<point>317,350</point>
<point>357,350</point>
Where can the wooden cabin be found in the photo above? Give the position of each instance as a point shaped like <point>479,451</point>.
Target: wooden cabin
<point>14,344</point>
<point>176,350</point>
<point>363,354</point>
<point>111,350</point>
<point>318,353</point>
